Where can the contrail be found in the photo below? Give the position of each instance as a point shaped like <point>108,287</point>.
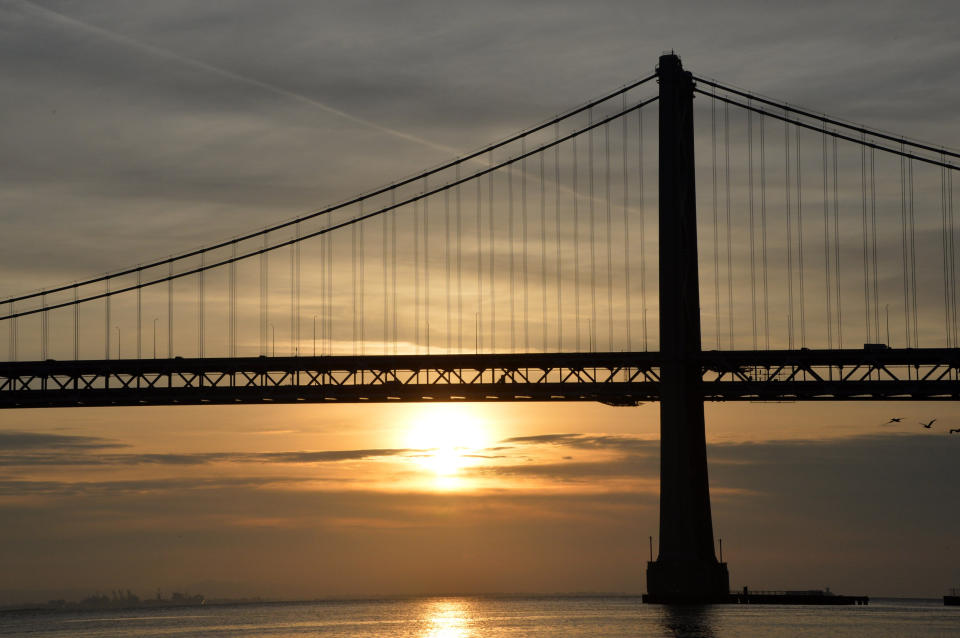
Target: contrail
<point>151,49</point>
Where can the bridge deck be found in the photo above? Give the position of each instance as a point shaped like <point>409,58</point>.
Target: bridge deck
<point>616,378</point>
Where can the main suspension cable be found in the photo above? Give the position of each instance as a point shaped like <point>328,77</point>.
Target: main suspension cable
<point>331,225</point>
<point>345,204</point>
<point>826,120</point>
<point>833,133</point>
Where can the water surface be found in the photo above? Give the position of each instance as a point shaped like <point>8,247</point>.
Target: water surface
<point>494,617</point>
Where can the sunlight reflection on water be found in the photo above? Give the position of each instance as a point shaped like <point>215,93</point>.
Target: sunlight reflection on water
<point>448,618</point>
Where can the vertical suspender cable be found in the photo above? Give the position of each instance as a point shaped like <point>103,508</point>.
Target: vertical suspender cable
<point>293,297</point>
<point>913,255</point>
<point>354,324</point>
<point>459,269</point>
<point>643,236</point>
<point>331,292</point>
<point>232,301</point>
<point>624,143</point>
<point>953,260</point>
<point>576,253</point>
<point>12,335</point>
<point>593,235</point>
<point>326,329</point>
<point>170,313</point>
<point>394,214</point>
<point>945,247</point>
<point>361,275</point>
<point>43,327</point>
<point>511,246</point>
<point>763,234</point>
<point>139,316</point>
<point>873,248</point>
<point>800,268</point>
<point>416,277</point>
<point>523,245</point>
<point>76,325</point>
<point>426,267</point>
<point>729,236</point>
<point>643,231</point>
<point>786,189</point>
<point>384,263</point>
<point>753,241</point>
<point>448,328</point>
<point>296,325</point>
<point>951,242</point>
<point>106,320</point>
<point>479,319</point>
<point>323,294</point>
<point>263,297</point>
<point>866,237</point>
<point>716,226</point>
<point>905,251</point>
<point>828,276</point>
<point>557,231</point>
<point>836,245</point>
<point>609,229</point>
<point>200,304</point>
<point>543,255</point>
<point>492,236</point>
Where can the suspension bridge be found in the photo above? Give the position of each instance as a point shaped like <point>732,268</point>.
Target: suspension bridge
<point>533,269</point>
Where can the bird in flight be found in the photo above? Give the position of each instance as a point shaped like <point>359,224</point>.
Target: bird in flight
<point>895,419</point>
<point>928,424</point>
<point>956,430</point>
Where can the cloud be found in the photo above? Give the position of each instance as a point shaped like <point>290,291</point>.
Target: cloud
<point>542,438</point>
<point>631,467</point>
<point>21,441</point>
<point>200,65</point>
<point>71,457</point>
<point>323,457</point>
<point>791,513</point>
<point>590,442</point>
<point>12,487</point>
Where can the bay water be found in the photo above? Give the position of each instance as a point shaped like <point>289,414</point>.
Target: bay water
<point>495,617</point>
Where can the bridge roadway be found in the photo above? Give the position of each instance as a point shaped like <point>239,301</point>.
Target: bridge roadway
<point>614,378</point>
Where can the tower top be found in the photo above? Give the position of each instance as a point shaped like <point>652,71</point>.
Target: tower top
<point>670,62</point>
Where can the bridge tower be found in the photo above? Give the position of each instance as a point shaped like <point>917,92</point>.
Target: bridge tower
<point>686,569</point>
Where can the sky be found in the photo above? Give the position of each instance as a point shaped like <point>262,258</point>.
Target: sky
<point>136,131</point>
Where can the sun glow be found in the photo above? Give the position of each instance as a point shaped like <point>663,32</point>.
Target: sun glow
<point>448,619</point>
<point>450,436</point>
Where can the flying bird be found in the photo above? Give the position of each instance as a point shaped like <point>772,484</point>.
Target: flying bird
<point>895,419</point>
<point>956,430</point>
<point>927,425</point>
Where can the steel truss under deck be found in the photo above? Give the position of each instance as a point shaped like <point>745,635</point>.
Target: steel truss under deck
<point>614,378</point>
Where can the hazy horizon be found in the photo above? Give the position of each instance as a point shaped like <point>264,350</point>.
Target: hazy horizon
<point>139,131</point>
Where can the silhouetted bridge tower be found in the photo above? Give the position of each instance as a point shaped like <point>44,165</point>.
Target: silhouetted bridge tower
<point>687,566</point>
<point>510,274</point>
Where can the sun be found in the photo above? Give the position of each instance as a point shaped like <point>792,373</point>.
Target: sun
<point>449,436</point>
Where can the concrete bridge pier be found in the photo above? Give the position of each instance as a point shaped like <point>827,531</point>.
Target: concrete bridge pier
<point>686,569</point>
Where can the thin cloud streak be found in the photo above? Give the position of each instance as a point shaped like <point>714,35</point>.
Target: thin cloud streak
<point>231,75</point>
<point>17,440</point>
<point>199,458</point>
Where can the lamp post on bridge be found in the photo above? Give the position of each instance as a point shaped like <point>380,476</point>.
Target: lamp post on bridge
<point>686,569</point>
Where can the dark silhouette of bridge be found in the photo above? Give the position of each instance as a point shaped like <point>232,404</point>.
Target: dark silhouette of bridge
<point>487,260</point>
